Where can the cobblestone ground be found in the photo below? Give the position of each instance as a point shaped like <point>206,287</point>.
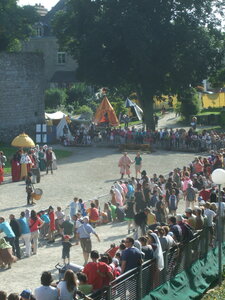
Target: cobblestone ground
<point>88,173</point>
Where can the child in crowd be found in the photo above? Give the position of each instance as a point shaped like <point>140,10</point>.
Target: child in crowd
<point>66,248</point>
<point>84,287</point>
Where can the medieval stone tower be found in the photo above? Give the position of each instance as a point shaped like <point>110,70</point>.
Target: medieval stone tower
<point>21,94</point>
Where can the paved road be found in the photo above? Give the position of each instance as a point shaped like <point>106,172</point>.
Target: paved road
<point>88,173</point>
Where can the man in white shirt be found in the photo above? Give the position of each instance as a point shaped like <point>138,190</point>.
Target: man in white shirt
<point>210,214</point>
<point>46,291</point>
<point>74,207</point>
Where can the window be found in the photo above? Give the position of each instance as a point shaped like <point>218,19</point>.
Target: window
<point>61,58</point>
<point>39,31</point>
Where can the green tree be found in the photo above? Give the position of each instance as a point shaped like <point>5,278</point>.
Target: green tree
<point>79,93</point>
<point>15,24</point>
<point>86,111</point>
<point>154,46</point>
<point>54,98</point>
<point>190,103</point>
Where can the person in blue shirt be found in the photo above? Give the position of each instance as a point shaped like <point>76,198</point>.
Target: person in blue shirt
<point>45,228</point>
<point>84,232</point>
<point>131,257</point>
<point>9,234</point>
<point>25,233</point>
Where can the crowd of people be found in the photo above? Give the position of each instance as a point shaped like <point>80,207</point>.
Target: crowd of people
<point>149,205</point>
<point>161,138</point>
<point>34,160</point>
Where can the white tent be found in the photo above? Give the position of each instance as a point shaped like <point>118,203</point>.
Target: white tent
<point>55,116</point>
<point>138,111</point>
<point>59,129</point>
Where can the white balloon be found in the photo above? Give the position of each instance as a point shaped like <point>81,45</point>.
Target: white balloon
<point>218,176</point>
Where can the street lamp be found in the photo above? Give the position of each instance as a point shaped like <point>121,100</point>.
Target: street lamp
<point>218,177</point>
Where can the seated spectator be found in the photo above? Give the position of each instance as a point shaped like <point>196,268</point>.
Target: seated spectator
<point>68,286</point>
<point>120,215</point>
<point>3,295</point>
<point>84,287</point>
<point>46,291</point>
<point>93,215</point>
<point>6,257</point>
<point>26,295</point>
<point>13,296</point>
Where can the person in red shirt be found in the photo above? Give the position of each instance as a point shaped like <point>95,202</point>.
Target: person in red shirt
<point>51,232</point>
<point>97,272</point>
<point>93,215</point>
<point>205,194</point>
<point>35,223</point>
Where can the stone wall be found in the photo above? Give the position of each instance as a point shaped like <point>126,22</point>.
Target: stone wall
<point>21,94</point>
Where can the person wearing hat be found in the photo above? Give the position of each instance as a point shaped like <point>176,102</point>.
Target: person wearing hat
<point>25,295</point>
<point>191,219</point>
<point>66,245</point>
<point>84,233</point>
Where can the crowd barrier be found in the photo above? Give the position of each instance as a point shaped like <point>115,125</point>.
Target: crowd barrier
<point>139,282</point>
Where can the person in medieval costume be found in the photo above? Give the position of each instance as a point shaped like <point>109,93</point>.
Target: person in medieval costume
<point>124,164</point>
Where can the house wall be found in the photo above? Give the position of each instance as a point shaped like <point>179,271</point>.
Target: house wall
<point>49,47</point>
<point>21,94</point>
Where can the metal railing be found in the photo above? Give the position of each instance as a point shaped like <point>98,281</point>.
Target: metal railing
<point>139,282</point>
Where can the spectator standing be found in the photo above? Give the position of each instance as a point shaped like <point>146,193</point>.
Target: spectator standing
<point>173,203</point>
<point>74,207</point>
<point>138,164</point>
<point>25,233</point>
<point>84,232</point>
<point>35,224</point>
<point>131,257</point>
<point>9,234</point>
<point>49,160</point>
<point>17,231</point>
<point>51,232</point>
<point>46,291</point>
<point>191,218</point>
<point>190,198</point>
<point>68,227</point>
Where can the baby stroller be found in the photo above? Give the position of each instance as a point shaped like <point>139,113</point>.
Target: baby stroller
<point>62,269</point>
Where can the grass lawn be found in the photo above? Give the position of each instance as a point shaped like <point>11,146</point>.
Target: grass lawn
<point>9,151</point>
<point>206,113</point>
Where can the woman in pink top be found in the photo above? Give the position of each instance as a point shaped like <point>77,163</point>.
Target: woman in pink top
<point>35,223</point>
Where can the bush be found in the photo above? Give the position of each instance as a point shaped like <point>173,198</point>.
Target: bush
<point>190,103</point>
<point>79,93</point>
<point>119,107</point>
<point>54,98</point>
<point>86,111</point>
<point>222,118</point>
